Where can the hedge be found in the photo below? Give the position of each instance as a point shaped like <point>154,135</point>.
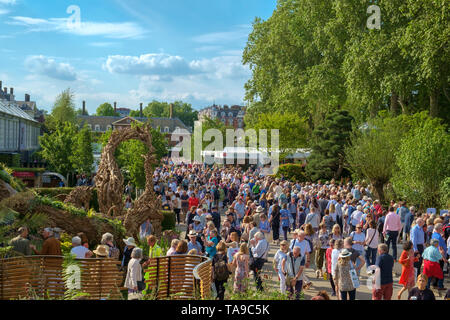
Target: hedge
<point>35,170</point>
<point>10,159</point>
<point>169,220</point>
<point>294,172</point>
<point>53,192</point>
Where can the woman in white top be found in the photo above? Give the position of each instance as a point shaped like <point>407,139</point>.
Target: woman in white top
<point>134,271</point>
<point>313,218</point>
<point>277,259</point>
<point>338,246</point>
<point>372,244</point>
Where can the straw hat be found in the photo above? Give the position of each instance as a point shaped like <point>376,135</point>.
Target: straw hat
<point>192,233</point>
<point>130,241</point>
<point>345,253</point>
<point>102,251</point>
<point>259,209</point>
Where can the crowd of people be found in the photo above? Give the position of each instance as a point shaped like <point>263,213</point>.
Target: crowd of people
<point>233,216</point>
<point>339,228</point>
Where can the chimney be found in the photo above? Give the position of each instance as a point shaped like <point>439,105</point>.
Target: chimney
<point>27,97</point>
<point>5,90</point>
<point>171,111</point>
<point>1,82</point>
<point>11,91</point>
<point>115,106</point>
<point>141,114</point>
<point>84,108</point>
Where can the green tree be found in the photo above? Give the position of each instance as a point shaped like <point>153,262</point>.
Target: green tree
<point>106,110</point>
<point>373,146</point>
<point>329,140</point>
<point>83,157</point>
<point>292,130</point>
<point>63,110</point>
<point>423,164</point>
<point>57,148</point>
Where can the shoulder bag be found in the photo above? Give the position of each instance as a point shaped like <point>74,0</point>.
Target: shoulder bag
<point>366,247</point>
<point>288,278</point>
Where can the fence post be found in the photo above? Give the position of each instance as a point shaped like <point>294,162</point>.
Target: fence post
<point>168,276</point>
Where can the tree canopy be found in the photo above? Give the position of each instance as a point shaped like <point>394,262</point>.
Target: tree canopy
<point>106,110</point>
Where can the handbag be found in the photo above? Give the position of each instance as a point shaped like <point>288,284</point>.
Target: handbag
<point>135,296</point>
<point>289,279</point>
<point>366,247</point>
<point>354,276</point>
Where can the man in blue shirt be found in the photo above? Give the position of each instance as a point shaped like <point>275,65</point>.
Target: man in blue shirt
<point>402,212</point>
<point>418,240</point>
<point>386,263</point>
<point>437,234</point>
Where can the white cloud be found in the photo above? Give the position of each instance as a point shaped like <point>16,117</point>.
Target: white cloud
<point>42,65</point>
<point>241,32</point>
<point>148,64</point>
<point>3,11</point>
<point>166,66</point>
<point>121,30</point>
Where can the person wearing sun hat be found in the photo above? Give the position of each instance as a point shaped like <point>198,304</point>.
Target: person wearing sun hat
<point>102,251</point>
<point>343,279</point>
<point>194,244</point>
<point>130,245</point>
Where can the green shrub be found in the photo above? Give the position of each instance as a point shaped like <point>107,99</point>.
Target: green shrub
<point>94,201</point>
<point>169,220</point>
<point>35,170</point>
<point>11,160</point>
<point>52,192</point>
<point>293,172</point>
<point>445,193</point>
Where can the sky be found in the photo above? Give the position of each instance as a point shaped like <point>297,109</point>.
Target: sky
<point>128,51</point>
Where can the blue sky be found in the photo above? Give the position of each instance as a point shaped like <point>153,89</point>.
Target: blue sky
<point>129,51</point>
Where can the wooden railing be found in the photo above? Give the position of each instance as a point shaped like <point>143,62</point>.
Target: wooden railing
<point>172,277</point>
<point>42,276</point>
<point>202,274</point>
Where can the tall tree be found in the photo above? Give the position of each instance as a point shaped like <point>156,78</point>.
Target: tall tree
<point>293,131</point>
<point>106,110</point>
<point>83,157</point>
<point>57,148</point>
<point>423,164</point>
<point>329,140</point>
<point>63,110</point>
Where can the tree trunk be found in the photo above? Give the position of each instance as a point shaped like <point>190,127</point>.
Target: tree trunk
<point>394,103</point>
<point>434,103</point>
<point>379,190</point>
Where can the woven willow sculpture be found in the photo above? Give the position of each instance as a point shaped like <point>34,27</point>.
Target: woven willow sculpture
<point>109,183</point>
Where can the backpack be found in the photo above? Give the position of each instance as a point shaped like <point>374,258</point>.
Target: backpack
<point>221,272</point>
<point>380,225</point>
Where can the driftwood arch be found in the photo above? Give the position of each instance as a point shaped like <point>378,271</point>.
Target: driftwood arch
<point>109,183</point>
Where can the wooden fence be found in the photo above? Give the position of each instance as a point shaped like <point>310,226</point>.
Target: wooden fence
<point>42,276</point>
<point>172,277</point>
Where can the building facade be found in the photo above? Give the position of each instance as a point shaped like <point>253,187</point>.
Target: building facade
<point>230,116</point>
<point>19,131</point>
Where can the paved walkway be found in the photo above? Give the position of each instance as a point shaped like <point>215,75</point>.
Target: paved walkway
<point>362,293</point>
